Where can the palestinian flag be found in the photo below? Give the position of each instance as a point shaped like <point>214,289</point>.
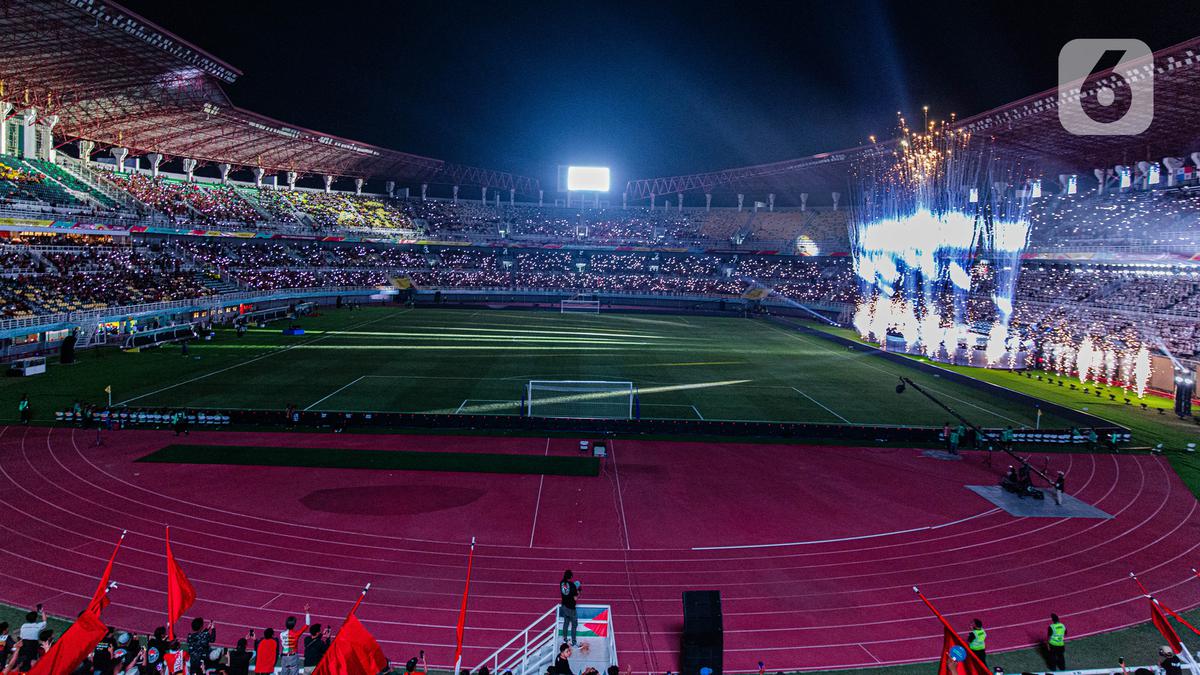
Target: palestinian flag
<point>593,622</point>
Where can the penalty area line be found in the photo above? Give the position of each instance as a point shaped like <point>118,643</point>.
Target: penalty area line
<point>336,392</point>
<point>827,408</point>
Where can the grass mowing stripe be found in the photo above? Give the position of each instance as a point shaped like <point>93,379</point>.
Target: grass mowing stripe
<point>253,360</point>
<point>398,460</point>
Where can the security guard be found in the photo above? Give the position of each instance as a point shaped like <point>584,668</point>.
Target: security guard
<point>1056,640</point>
<point>977,640</point>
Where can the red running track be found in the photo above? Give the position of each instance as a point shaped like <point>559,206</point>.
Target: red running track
<point>831,541</point>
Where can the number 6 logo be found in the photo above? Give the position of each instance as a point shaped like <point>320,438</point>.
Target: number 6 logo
<point>1132,80</point>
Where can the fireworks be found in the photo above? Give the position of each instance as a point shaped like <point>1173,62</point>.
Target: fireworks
<point>917,231</point>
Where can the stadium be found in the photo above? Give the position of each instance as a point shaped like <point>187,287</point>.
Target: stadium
<point>919,400</point>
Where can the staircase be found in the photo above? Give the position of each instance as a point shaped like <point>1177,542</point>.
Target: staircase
<point>533,650</point>
<point>96,181</point>
<point>88,335</point>
<point>223,285</point>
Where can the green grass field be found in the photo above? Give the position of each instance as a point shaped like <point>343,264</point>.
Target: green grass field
<point>478,362</point>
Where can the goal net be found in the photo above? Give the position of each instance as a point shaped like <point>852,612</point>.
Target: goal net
<point>577,305</point>
<point>580,398</point>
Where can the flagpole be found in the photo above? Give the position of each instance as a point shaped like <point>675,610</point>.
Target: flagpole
<point>462,612</point>
<point>1170,611</point>
<point>946,625</point>
<point>359,601</point>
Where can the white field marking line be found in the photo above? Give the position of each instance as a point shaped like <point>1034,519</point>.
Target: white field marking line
<point>460,406</point>
<point>257,358</point>
<point>805,339</point>
<point>538,506</point>
<point>620,497</point>
<point>335,392</point>
<point>986,410</point>
<point>697,411</point>
<point>827,408</point>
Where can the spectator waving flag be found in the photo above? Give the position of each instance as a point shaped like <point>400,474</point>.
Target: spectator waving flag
<point>73,647</point>
<point>180,592</point>
<point>100,597</point>
<point>354,650</point>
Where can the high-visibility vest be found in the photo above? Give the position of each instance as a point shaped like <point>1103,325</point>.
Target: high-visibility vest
<point>978,639</point>
<point>23,405</point>
<point>1058,634</point>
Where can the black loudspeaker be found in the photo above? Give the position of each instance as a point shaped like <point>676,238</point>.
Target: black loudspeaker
<point>66,351</point>
<point>696,657</point>
<point>1185,389</point>
<point>703,636</point>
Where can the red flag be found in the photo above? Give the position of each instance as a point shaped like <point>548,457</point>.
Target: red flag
<point>100,597</point>
<point>1175,615</point>
<point>73,647</point>
<point>970,664</point>
<point>180,593</point>
<point>956,662</point>
<point>462,612</point>
<point>353,651</point>
<point>1164,627</point>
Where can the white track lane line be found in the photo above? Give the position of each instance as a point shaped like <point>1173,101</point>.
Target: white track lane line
<point>538,505</point>
<point>347,544</point>
<point>1169,488</point>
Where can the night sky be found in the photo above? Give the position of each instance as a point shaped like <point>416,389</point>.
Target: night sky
<point>649,88</point>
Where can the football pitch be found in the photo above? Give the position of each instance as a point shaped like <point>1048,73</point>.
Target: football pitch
<point>391,359</point>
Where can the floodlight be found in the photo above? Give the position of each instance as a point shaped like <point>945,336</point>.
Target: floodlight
<point>587,178</point>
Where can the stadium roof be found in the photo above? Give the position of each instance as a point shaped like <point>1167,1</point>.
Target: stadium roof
<point>113,77</point>
<point>1027,130</point>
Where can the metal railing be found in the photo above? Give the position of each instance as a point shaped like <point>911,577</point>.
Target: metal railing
<point>522,654</point>
<point>534,648</point>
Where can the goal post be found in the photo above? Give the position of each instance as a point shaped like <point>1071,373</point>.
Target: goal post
<point>575,305</point>
<point>592,399</point>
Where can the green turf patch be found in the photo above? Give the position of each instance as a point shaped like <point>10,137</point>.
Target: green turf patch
<point>336,458</point>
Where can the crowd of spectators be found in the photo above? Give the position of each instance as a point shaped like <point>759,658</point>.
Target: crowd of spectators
<point>1145,303</point>
<point>189,203</point>
<point>1152,301</point>
<point>92,277</point>
<point>1133,219</point>
<point>334,210</point>
<point>296,648</point>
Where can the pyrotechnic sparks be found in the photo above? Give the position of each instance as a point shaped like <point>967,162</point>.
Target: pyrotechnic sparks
<point>917,232</point>
<point>1141,371</point>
